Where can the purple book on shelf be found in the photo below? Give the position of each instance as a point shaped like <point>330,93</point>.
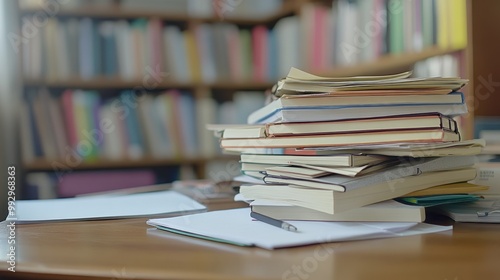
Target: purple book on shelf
<point>78,183</point>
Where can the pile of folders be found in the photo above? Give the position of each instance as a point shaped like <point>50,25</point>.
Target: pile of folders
<point>373,148</point>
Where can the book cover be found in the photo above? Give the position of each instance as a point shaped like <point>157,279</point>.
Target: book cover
<point>385,211</point>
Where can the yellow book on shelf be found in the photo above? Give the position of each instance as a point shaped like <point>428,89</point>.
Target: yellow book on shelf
<point>458,24</point>
<point>193,58</point>
<point>443,23</point>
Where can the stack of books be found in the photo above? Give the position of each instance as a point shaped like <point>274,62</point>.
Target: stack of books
<point>344,148</point>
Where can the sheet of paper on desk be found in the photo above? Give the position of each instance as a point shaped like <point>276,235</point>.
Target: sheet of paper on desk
<point>237,227</point>
<point>105,207</point>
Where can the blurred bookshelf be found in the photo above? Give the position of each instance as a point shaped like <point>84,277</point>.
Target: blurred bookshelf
<point>219,61</point>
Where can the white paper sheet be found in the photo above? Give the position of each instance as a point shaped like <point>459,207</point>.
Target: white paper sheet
<point>105,207</point>
<point>237,227</point>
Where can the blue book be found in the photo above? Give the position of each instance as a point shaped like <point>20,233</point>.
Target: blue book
<point>109,48</point>
<point>86,49</point>
<point>331,107</point>
<point>131,119</point>
<point>36,141</point>
<point>187,119</point>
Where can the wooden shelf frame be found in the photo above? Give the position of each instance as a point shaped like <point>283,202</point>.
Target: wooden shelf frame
<point>115,11</point>
<point>386,64</point>
<point>117,83</point>
<point>47,165</point>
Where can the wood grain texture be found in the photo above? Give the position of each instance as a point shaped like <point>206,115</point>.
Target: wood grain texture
<point>129,249</point>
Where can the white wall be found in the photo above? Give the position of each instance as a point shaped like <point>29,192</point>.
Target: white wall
<point>10,93</point>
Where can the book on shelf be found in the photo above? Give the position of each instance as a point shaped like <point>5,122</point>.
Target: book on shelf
<point>332,201</point>
<point>409,167</point>
<point>361,138</point>
<point>402,122</point>
<point>246,51</point>
<point>164,125</point>
<point>385,211</point>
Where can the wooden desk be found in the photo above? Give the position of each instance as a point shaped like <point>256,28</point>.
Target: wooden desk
<point>123,249</point>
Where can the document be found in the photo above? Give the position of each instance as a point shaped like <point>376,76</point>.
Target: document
<point>105,207</point>
<point>237,227</point>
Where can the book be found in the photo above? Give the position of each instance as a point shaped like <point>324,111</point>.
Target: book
<point>331,101</point>
<point>408,167</point>
<point>344,160</point>
<point>488,174</point>
<point>456,188</point>
<point>295,172</point>
<point>356,112</point>
<point>361,138</point>
<point>385,211</point>
<point>427,121</point>
<point>346,171</point>
<point>434,200</point>
<point>480,211</point>
<point>416,150</point>
<point>331,201</point>
<point>308,83</point>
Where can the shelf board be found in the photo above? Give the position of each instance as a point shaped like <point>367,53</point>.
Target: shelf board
<point>116,12</point>
<point>114,83</point>
<point>386,64</point>
<point>47,165</point>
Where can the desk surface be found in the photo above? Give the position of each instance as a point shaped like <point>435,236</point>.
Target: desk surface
<point>129,249</point>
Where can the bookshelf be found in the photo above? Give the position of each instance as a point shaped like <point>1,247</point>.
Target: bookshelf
<point>218,88</point>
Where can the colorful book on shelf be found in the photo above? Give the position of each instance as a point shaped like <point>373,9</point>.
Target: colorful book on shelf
<point>427,121</point>
<point>186,121</point>
<point>385,211</point>
<point>408,167</point>
<point>135,145</point>
<point>260,55</point>
<point>331,201</point>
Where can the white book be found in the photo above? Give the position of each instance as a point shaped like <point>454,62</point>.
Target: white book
<point>287,33</point>
<point>112,147</point>
<point>124,48</point>
<point>206,113</point>
<point>175,53</point>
